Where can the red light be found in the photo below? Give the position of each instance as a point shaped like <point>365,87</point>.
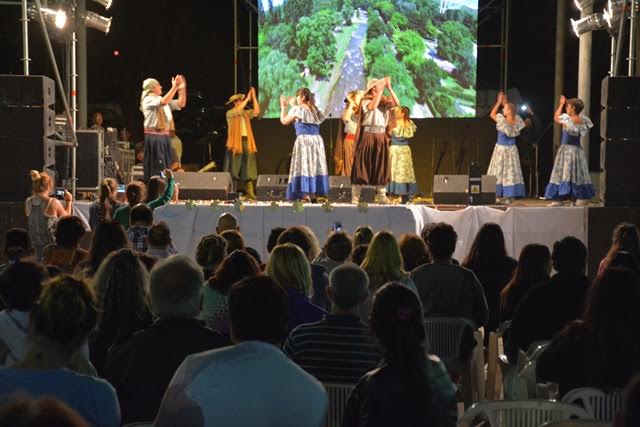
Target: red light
<point>116,53</point>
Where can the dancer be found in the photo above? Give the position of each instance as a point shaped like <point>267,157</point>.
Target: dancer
<point>570,177</point>
<point>505,161</point>
<point>240,157</point>
<point>345,140</point>
<point>371,161</point>
<point>403,179</point>
<point>158,153</point>
<point>308,176</point>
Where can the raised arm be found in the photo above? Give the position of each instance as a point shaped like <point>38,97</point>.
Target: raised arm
<point>175,84</point>
<point>285,119</point>
<point>182,93</point>
<point>254,100</point>
<point>348,112</point>
<point>558,113</point>
<point>376,99</point>
<point>496,107</point>
<point>394,97</point>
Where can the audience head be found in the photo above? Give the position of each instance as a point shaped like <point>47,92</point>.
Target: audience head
<point>175,288</point>
<point>272,241</point>
<point>108,236</point>
<point>338,246</point>
<point>155,188</point>
<point>258,310</point>
<point>383,262</point>
<point>569,254</point>
<point>17,244</point>
<point>134,193</point>
<point>235,267</point>
<point>65,313</point>
<point>234,239</point>
<point>362,236</point>
<point>348,286</point>
<point>211,250</point>
<point>69,231</point>
<point>359,253</point>
<point>42,412</point>
<point>41,183</point>
<point>534,266</point>
<point>256,256</point>
<point>304,238</point>
<point>21,283</point>
<point>413,250</point>
<point>141,214</point>
<point>624,259</point>
<point>159,236</point>
<point>147,260</point>
<point>107,197</point>
<point>630,415</point>
<point>227,221</point>
<point>625,237</point>
<point>488,247</point>
<point>290,268</point>
<point>424,234</point>
<point>122,285</point>
<point>441,241</point>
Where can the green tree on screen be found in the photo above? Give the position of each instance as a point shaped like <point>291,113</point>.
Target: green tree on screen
<point>347,12</point>
<point>408,42</point>
<point>401,79</point>
<point>316,41</point>
<point>295,9</point>
<point>277,75</point>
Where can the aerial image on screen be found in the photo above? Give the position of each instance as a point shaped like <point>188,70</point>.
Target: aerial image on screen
<point>427,47</point>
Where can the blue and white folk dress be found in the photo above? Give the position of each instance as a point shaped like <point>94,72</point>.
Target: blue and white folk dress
<point>570,177</point>
<point>505,161</point>
<point>308,173</point>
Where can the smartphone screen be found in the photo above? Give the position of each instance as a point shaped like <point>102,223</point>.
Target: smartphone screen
<point>337,226</point>
<point>121,188</point>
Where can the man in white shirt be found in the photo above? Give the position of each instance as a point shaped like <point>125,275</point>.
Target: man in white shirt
<point>251,383</point>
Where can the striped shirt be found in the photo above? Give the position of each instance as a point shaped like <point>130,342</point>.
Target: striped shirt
<point>337,349</point>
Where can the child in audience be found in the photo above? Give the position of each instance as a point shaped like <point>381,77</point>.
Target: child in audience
<point>66,253</point>
<point>159,238</point>
<point>140,220</point>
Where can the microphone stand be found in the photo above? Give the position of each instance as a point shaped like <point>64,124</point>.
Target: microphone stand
<point>330,162</point>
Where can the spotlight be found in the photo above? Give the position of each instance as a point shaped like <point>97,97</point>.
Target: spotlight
<point>589,23</point>
<point>104,3</point>
<point>583,4</point>
<point>613,13</point>
<point>58,18</point>
<point>95,21</point>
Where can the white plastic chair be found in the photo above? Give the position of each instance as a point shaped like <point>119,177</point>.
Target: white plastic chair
<point>577,423</point>
<point>600,405</point>
<point>525,380</point>
<point>521,413</point>
<point>337,395</point>
<point>496,362</point>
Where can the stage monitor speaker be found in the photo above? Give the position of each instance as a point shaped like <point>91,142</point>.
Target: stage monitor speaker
<point>89,161</point>
<point>271,187</point>
<point>26,91</point>
<point>454,190</point>
<point>204,185</point>
<point>340,190</point>
<point>619,178</point>
<point>620,92</point>
<point>20,155</point>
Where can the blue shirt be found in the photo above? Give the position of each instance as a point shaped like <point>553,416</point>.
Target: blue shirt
<point>249,384</point>
<point>301,310</point>
<point>93,398</point>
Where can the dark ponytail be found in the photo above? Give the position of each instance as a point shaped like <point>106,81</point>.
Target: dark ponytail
<point>107,202</point>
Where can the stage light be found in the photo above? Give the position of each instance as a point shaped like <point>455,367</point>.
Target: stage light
<point>583,4</point>
<point>60,18</point>
<point>57,18</point>
<point>589,23</point>
<point>104,3</point>
<point>95,21</point>
<point>613,13</point>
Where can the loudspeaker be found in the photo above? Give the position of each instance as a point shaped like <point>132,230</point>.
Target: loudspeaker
<point>620,123</point>
<point>620,92</point>
<point>204,185</point>
<point>619,179</point>
<point>340,190</point>
<point>26,91</point>
<point>89,161</point>
<point>271,187</point>
<point>20,155</point>
<point>27,121</point>
<point>454,190</point>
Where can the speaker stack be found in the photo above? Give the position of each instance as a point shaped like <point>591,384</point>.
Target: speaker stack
<point>27,119</point>
<point>620,141</point>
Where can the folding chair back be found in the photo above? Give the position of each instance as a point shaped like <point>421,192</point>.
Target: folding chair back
<point>600,405</point>
<point>521,413</point>
<point>337,394</point>
<point>577,423</point>
<point>445,336</point>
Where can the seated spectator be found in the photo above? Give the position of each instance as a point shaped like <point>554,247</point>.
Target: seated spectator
<point>424,235</point>
<point>630,414</point>
<point>410,388</point>
<point>413,250</point>
<point>46,411</point>
<point>362,236</point>
<point>603,349</point>
<point>66,253</point>
<point>534,266</point>
<point>121,284</point>
<point>160,241</point>
<point>20,287</point>
<point>141,367</point>
<point>234,239</point>
<point>135,194</point>
<point>383,264</point>
<point>211,250</point>
<point>272,240</point>
<point>336,251</point>
<point>109,236</point>
<point>227,221</point>
<point>60,322</point>
<point>289,267</point>
<point>626,260</point>
<point>256,256</point>
<point>492,266</point>
<point>549,306</point>
<point>625,237</point>
<point>446,289</point>
<point>215,309</point>
<point>138,232</point>
<point>17,246</point>
<point>253,370</point>
<point>305,239</point>
<point>339,348</point>
<point>105,207</point>
<point>358,254</point>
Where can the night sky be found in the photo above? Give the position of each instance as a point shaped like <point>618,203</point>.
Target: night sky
<point>160,38</point>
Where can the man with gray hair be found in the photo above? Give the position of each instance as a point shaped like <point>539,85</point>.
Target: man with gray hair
<point>339,348</point>
<point>227,221</point>
<point>141,367</point>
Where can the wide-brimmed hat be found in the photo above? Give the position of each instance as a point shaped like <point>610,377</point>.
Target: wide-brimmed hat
<point>371,83</point>
<point>354,96</point>
<point>234,98</point>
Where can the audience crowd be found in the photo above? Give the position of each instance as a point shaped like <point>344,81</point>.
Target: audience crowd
<point>129,331</point>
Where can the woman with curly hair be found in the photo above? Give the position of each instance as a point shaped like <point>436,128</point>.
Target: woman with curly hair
<point>211,250</point>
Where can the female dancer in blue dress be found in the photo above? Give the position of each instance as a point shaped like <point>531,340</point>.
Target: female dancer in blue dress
<point>570,177</point>
<point>308,176</point>
<point>505,162</point>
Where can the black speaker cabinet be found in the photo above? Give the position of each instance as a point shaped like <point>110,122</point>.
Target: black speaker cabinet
<point>340,190</point>
<point>27,121</point>
<point>271,187</point>
<point>26,91</point>
<point>453,190</point>
<point>620,92</point>
<point>620,178</point>
<point>20,155</point>
<point>620,123</point>
<point>204,185</point>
